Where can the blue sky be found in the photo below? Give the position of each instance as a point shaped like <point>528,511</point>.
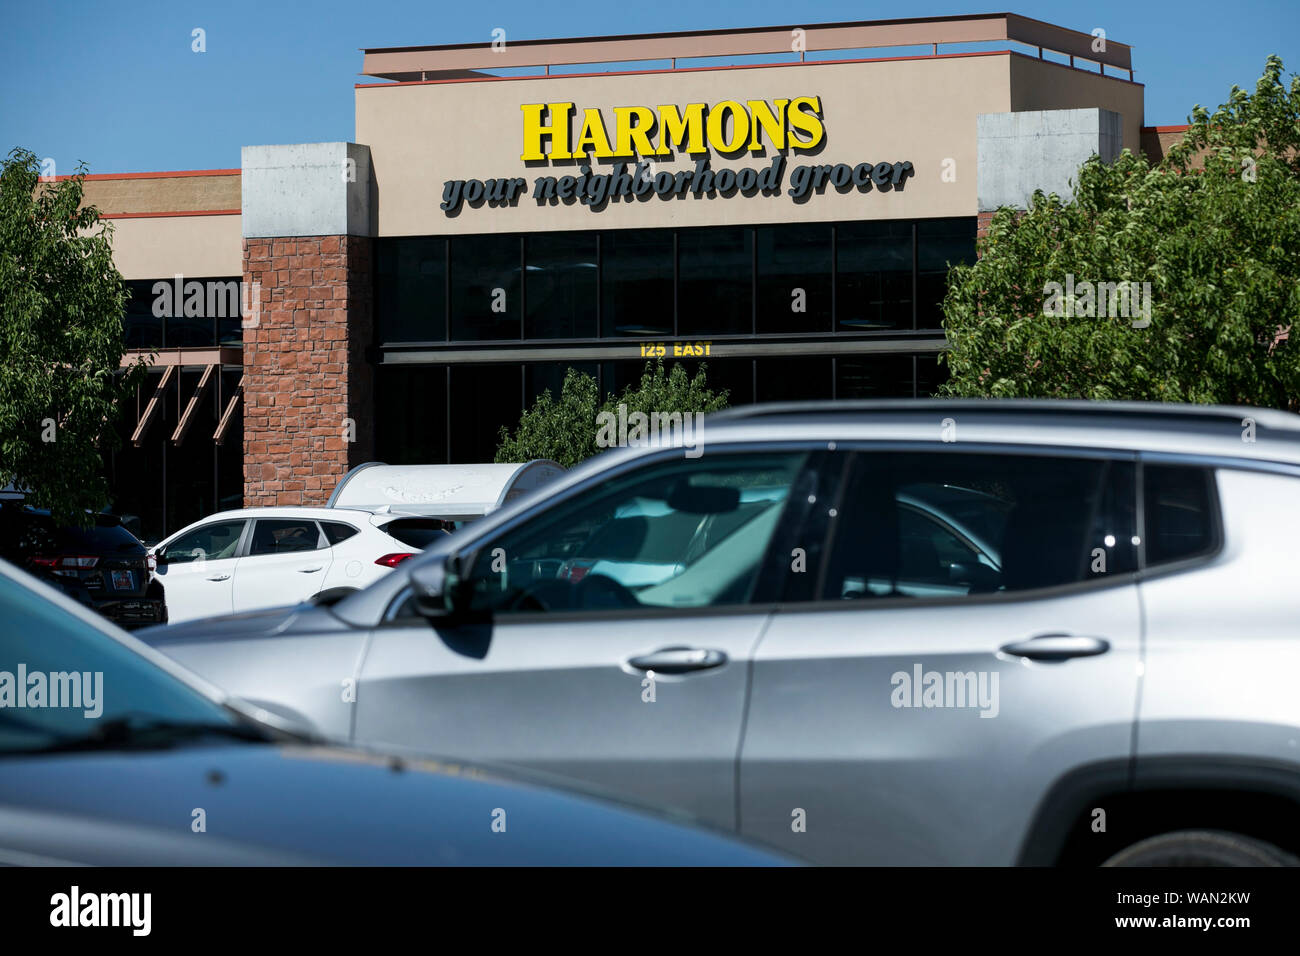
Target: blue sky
<point>116,84</point>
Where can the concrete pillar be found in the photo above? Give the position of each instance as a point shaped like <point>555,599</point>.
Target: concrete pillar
<point>1040,149</point>
<point>308,223</point>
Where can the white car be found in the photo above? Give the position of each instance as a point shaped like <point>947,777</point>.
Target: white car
<point>268,557</point>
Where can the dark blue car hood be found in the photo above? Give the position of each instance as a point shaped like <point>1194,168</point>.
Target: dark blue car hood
<point>299,803</point>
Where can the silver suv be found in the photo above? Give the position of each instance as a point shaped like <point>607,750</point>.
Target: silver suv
<point>925,632</point>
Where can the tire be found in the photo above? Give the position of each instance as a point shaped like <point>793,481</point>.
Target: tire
<point>1202,848</point>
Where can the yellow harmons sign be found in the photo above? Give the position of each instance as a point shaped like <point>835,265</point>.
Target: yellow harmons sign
<point>726,127</point>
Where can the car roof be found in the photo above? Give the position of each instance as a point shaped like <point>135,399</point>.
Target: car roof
<point>315,512</point>
<point>1202,430</point>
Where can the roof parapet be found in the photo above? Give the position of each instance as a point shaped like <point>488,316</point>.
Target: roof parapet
<point>466,60</point>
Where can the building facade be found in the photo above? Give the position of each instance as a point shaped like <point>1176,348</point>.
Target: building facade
<point>778,204</point>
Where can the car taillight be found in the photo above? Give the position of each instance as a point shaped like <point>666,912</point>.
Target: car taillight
<point>393,560</point>
<point>66,564</point>
<point>151,562</point>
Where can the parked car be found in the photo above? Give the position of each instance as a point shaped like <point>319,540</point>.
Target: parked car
<point>963,632</point>
<point>263,557</point>
<point>129,760</point>
<point>103,566</point>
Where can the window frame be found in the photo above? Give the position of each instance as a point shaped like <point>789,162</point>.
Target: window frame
<point>240,544</point>
<point>1209,470</point>
<point>321,523</point>
<point>1008,449</point>
<point>466,557</point>
<point>246,546</point>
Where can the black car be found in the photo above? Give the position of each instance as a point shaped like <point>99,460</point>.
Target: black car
<point>103,566</point>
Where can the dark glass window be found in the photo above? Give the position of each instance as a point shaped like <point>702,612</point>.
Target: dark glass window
<point>636,283</point>
<point>142,329</point>
<point>194,315</point>
<point>1178,512</point>
<point>230,453</point>
<point>939,243</point>
<point>929,525</point>
<point>794,278</point>
<point>192,465</point>
<point>485,287</point>
<point>484,399</point>
<point>337,531</point>
<point>874,376</point>
<point>229,321</point>
<point>873,276</point>
<point>560,272</point>
<point>715,274</point>
<point>542,377</point>
<point>411,290</point>
<point>793,379</point>
<point>284,536</point>
<point>734,376</point>
<point>411,414</point>
<point>930,374</point>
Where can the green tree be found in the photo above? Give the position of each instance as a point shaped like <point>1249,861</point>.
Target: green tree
<point>61,307</point>
<point>1214,229</point>
<point>565,429</point>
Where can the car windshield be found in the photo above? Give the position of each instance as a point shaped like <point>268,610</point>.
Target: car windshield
<point>64,684</point>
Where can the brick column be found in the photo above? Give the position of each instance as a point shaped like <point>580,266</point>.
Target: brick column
<point>308,215</point>
<point>307,384</point>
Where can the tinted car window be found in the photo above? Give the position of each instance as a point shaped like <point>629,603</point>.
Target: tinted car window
<point>284,536</point>
<point>679,533</point>
<point>417,532</point>
<point>337,531</point>
<point>210,542</point>
<point>1177,511</point>
<point>953,524</point>
<point>25,532</point>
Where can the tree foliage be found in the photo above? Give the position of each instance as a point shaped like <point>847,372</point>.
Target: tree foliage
<point>61,307</point>
<point>1214,228</point>
<point>565,429</point>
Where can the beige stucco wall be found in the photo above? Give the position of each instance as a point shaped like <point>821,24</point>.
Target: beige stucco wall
<point>922,111</point>
<point>1043,85</point>
<point>160,247</point>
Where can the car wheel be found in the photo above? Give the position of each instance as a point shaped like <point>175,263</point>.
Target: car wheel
<point>1202,848</point>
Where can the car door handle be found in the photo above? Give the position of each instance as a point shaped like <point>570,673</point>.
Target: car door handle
<point>219,577</point>
<point>310,570</point>
<point>1057,647</point>
<point>679,660</point>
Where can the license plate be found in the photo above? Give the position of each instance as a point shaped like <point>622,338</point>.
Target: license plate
<point>123,580</point>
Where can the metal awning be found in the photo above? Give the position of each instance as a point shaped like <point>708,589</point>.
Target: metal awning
<point>454,492</point>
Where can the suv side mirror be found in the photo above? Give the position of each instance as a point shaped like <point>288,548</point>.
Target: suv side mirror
<point>435,588</point>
